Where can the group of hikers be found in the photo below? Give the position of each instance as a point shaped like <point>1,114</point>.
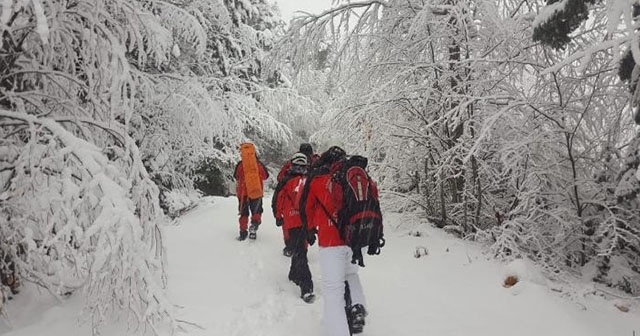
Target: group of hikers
<point>329,196</point>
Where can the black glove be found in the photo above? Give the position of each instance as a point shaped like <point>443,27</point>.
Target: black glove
<point>279,221</point>
<point>374,247</point>
<point>311,237</point>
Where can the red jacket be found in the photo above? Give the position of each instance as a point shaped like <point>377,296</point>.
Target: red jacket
<point>321,209</point>
<point>288,202</point>
<point>238,174</point>
<point>283,171</point>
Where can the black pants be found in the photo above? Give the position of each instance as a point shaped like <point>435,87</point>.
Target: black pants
<point>299,271</point>
<point>245,206</point>
<point>253,206</point>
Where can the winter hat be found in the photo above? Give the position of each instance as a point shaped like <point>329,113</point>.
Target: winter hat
<point>306,149</point>
<point>333,154</point>
<point>299,159</point>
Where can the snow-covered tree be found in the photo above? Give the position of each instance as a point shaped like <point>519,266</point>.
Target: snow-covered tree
<point>462,113</point>
<point>563,25</point>
<point>101,102</point>
<point>79,212</point>
<point>205,102</point>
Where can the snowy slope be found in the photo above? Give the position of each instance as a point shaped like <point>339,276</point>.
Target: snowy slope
<point>225,287</point>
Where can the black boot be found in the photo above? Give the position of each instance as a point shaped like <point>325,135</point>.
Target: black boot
<point>306,292</point>
<point>355,317</point>
<point>308,297</point>
<point>243,235</point>
<point>286,251</point>
<point>252,230</point>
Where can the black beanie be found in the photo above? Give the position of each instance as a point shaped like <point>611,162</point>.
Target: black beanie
<point>331,155</point>
<point>305,148</point>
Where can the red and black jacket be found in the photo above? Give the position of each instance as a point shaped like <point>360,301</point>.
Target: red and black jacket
<point>288,201</point>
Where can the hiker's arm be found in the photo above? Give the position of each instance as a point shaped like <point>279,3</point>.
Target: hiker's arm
<point>280,203</point>
<point>236,171</point>
<point>306,205</point>
<point>274,204</point>
<point>264,173</point>
<point>310,209</point>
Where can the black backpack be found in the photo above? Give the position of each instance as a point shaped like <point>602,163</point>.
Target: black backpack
<point>359,217</point>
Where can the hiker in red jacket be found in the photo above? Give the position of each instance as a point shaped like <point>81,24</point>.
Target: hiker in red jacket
<point>307,150</point>
<point>288,214</point>
<point>319,210</point>
<point>248,206</point>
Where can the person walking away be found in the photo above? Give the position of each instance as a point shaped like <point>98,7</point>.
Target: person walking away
<point>307,150</point>
<point>250,174</point>
<point>319,209</point>
<point>288,213</point>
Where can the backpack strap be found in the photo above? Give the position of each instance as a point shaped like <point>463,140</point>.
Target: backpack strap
<point>327,213</point>
<point>313,172</point>
<point>357,256</point>
<point>274,198</point>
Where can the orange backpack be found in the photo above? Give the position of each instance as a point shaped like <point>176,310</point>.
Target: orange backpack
<point>252,179</point>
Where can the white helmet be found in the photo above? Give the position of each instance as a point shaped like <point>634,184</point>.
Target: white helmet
<point>299,159</point>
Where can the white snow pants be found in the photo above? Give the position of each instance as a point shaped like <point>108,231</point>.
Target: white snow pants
<point>336,267</point>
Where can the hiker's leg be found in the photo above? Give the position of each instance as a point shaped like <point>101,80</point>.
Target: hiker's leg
<point>299,264</point>
<point>355,286</point>
<point>333,268</point>
<point>256,211</point>
<point>243,209</point>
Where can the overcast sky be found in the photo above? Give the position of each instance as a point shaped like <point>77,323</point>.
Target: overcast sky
<point>288,7</point>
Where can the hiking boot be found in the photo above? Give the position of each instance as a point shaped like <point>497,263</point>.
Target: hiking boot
<point>308,297</point>
<point>306,293</point>
<point>287,252</point>
<point>355,317</point>
<point>243,236</point>
<point>252,230</point>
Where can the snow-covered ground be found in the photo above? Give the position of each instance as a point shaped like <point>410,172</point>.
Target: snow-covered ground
<point>225,287</point>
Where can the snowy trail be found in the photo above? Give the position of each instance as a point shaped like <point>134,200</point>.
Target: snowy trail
<point>232,287</point>
<point>223,287</point>
<point>241,288</point>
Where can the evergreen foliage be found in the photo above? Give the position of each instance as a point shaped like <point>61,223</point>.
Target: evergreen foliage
<point>555,31</point>
<point>209,179</point>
